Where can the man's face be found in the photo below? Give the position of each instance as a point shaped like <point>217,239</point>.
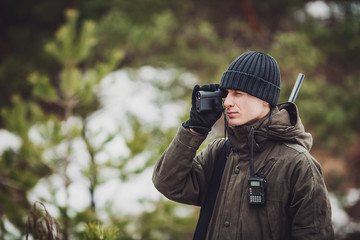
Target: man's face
<point>243,108</point>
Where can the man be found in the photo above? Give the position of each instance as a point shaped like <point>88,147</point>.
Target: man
<point>297,204</point>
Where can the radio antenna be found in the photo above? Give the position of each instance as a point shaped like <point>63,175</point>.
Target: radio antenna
<point>252,154</point>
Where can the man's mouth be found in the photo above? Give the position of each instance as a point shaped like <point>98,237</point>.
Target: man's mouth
<point>230,114</point>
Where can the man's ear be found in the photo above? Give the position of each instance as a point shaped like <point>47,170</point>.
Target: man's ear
<point>266,104</point>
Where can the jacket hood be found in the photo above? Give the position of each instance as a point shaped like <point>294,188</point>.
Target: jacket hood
<point>282,124</point>
<point>286,126</point>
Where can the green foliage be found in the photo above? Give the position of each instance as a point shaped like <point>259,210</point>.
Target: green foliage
<point>295,53</point>
<point>41,154</point>
<point>21,116</point>
<point>42,88</point>
<point>342,36</point>
<point>20,170</point>
<point>167,220</point>
<point>321,102</point>
<point>71,47</point>
<point>95,231</point>
<point>165,40</point>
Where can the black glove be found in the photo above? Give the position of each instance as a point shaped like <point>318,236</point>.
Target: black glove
<point>202,122</point>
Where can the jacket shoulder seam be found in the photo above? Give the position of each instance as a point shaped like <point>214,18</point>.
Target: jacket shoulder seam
<point>296,147</point>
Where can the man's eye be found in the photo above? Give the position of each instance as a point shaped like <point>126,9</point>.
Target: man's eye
<point>238,93</point>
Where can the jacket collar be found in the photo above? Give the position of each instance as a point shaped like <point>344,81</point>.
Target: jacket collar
<point>282,124</point>
<point>240,136</point>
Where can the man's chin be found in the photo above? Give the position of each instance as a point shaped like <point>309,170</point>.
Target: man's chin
<point>234,122</point>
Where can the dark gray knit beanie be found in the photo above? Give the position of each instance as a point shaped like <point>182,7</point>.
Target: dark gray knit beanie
<point>255,73</point>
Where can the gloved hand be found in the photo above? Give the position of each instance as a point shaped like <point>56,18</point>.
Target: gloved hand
<point>202,122</point>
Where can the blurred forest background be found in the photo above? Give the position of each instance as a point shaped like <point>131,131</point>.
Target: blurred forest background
<point>54,55</point>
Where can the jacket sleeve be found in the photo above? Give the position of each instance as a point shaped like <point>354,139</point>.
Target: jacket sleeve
<point>181,174</point>
<point>310,208</point>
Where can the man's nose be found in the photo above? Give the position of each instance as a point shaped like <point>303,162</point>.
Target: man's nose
<point>228,101</point>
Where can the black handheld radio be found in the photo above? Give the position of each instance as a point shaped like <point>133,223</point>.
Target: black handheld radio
<point>257,187</point>
<point>256,183</point>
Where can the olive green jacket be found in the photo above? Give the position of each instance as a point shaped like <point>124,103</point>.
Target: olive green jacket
<point>297,204</point>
